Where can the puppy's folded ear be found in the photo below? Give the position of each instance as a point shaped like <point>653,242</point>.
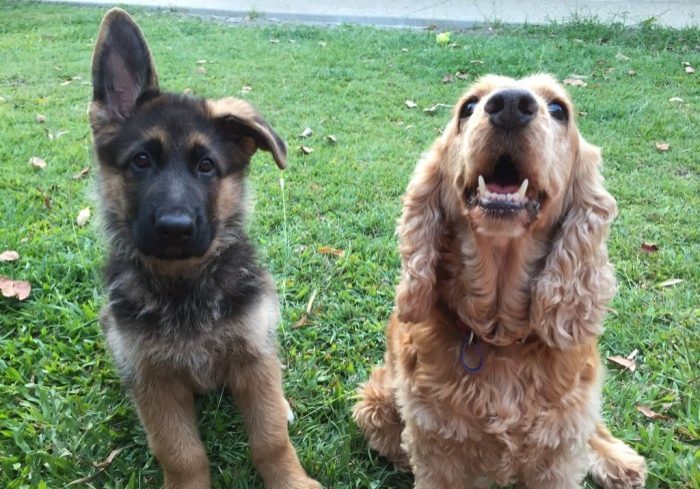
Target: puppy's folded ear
<point>571,296</point>
<point>242,122</point>
<point>122,69</point>
<point>420,232</point>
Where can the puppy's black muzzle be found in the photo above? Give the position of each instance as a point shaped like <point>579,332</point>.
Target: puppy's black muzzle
<point>511,108</point>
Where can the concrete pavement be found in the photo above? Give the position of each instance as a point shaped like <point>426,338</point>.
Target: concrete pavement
<point>441,13</point>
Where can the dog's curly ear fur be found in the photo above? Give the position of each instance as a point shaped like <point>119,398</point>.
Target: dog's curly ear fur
<point>570,298</point>
<point>251,131</point>
<point>419,233</point>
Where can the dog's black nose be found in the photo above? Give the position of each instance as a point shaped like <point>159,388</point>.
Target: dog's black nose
<point>175,226</point>
<point>511,108</point>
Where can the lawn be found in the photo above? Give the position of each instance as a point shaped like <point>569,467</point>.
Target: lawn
<point>63,410</point>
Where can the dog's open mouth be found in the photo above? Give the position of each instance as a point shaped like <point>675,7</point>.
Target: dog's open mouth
<point>505,192</point>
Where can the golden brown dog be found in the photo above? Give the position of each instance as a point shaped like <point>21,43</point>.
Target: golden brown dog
<point>188,308</point>
<point>491,373</point>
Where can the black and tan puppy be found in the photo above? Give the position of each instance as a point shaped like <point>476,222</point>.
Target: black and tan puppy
<point>188,307</point>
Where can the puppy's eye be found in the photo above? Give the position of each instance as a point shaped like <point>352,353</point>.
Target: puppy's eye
<point>206,165</point>
<point>557,111</point>
<point>468,108</point>
<point>141,160</point>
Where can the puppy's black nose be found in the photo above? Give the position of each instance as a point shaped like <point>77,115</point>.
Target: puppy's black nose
<point>175,226</point>
<point>511,108</point>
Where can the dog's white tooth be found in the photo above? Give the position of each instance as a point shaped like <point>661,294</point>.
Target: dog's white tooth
<point>482,186</point>
<point>523,188</point>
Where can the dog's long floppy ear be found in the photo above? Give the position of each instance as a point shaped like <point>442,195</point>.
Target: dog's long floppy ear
<point>253,132</point>
<point>122,69</point>
<point>420,230</point>
<point>571,296</point>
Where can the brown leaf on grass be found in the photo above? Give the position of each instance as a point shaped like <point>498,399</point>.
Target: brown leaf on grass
<point>627,363</point>
<point>40,118</point>
<point>201,61</point>
<point>411,104</point>
<point>621,57</point>
<point>306,133</point>
<point>649,248</point>
<point>688,68</point>
<point>81,173</point>
<point>100,466</point>
<point>275,41</point>
<point>66,82</point>
<point>304,319</point>
<point>83,217</point>
<point>575,82</point>
<point>246,89</point>
<point>307,150</point>
<point>37,162</point>
<point>662,146</point>
<point>19,289</point>
<point>477,62</point>
<point>670,282</point>
<point>9,255</point>
<point>676,99</point>
<point>582,113</point>
<point>462,75</point>
<point>651,414</point>
<point>631,73</point>
<point>332,138</point>
<point>448,78</point>
<point>327,250</point>
<point>609,70</point>
<point>405,50</point>
<point>201,70</point>
<point>56,135</point>
<point>322,44</point>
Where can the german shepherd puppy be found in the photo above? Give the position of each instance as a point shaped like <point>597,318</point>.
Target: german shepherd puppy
<point>188,307</point>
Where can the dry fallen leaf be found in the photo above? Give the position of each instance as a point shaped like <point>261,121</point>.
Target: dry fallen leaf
<point>306,150</point>
<point>575,82</point>
<point>100,466</point>
<point>246,89</point>
<point>201,61</point>
<point>411,104</point>
<point>582,113</point>
<point>662,146</point>
<point>461,75</point>
<point>304,319</point>
<point>631,72</point>
<point>81,173</point>
<point>435,107</point>
<point>14,288</point>
<point>306,133</point>
<point>323,44</point>
<point>327,250</point>
<point>447,78</point>
<point>201,70</point>
<point>621,57</point>
<point>688,68</point>
<point>332,138</point>
<point>405,50</point>
<point>670,282</point>
<point>40,118</point>
<point>67,82</point>
<point>676,99</point>
<point>649,247</point>
<point>83,217</point>
<point>649,413</point>
<point>37,162</point>
<point>627,363</point>
<point>275,41</point>
<point>477,62</point>
<point>9,255</point>
<point>56,135</point>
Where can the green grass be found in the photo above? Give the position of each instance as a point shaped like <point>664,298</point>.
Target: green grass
<point>62,406</point>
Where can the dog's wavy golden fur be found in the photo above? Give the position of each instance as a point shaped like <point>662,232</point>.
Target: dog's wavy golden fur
<point>520,268</point>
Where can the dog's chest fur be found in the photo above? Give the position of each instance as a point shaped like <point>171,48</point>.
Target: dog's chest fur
<point>526,402</point>
<point>197,327</point>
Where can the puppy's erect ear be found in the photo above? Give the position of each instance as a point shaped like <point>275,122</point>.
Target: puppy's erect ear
<point>571,296</point>
<point>420,231</point>
<point>122,68</point>
<point>244,123</point>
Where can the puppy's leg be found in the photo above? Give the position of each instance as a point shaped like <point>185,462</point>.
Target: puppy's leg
<point>614,465</point>
<point>257,387</point>
<point>166,409</point>
<point>378,417</point>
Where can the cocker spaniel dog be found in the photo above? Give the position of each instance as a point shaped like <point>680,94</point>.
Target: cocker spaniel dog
<point>491,373</point>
